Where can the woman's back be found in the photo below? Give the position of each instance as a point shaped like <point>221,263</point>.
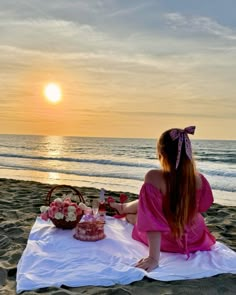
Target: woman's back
<point>152,218</point>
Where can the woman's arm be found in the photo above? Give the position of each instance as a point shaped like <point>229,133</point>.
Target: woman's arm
<point>151,262</point>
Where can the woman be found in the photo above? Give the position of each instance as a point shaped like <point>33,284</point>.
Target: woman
<point>167,216</point>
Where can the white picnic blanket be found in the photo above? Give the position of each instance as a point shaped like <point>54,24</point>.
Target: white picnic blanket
<point>52,257</point>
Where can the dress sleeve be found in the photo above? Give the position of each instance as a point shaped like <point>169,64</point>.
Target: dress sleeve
<point>150,215</point>
<point>206,197</point>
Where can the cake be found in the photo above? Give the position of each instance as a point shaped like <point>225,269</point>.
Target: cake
<point>89,231</point>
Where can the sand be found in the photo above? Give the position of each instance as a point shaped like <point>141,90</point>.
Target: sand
<point>19,206</point>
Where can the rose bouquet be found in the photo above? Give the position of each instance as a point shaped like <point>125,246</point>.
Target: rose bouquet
<point>62,212</point>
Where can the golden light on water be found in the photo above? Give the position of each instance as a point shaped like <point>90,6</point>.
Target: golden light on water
<point>52,92</point>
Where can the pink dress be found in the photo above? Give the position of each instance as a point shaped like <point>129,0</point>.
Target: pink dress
<point>151,218</point>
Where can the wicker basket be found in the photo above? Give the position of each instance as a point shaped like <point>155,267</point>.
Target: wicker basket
<point>62,223</point>
<point>90,231</point>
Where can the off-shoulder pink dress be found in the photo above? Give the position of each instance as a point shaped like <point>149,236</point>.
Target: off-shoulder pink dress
<point>151,218</point>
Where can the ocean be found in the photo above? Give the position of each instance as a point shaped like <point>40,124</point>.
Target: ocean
<point>117,164</point>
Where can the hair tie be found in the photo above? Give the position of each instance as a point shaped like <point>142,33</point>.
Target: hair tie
<point>182,135</point>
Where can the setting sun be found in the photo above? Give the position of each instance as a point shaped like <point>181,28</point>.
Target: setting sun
<point>52,92</point>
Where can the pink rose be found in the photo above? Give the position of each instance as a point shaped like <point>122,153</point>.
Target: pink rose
<point>52,211</point>
<point>66,203</point>
<point>44,216</point>
<point>57,204</point>
<point>78,211</point>
<point>65,210</point>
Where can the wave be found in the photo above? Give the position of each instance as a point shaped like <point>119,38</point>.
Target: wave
<point>217,172</point>
<point>18,147</point>
<point>223,188</point>
<point>226,158</point>
<point>79,160</point>
<point>221,183</point>
<point>214,172</point>
<point>72,172</point>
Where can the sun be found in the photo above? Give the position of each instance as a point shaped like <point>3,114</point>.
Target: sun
<point>52,92</point>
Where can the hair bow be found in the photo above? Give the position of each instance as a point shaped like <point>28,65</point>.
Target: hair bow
<point>182,135</point>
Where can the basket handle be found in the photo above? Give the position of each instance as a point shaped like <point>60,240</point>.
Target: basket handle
<point>49,195</point>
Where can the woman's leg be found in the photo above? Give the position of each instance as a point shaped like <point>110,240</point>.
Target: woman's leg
<point>125,208</point>
<point>131,218</point>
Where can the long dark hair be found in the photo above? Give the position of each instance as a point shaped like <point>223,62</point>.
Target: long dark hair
<point>179,203</point>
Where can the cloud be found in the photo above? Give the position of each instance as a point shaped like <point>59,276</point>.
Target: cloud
<point>129,10</point>
<point>199,24</point>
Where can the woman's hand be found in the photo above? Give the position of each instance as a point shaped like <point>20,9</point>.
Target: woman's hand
<point>151,262</point>
<point>147,263</point>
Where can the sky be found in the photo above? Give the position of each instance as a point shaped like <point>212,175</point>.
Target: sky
<point>125,68</point>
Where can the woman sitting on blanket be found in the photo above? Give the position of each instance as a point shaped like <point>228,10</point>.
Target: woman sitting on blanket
<point>167,216</point>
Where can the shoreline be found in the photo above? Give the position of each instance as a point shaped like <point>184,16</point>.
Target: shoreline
<point>19,206</point>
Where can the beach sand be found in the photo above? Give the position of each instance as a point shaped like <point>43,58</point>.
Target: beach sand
<point>19,206</point>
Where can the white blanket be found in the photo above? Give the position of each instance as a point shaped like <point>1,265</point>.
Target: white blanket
<point>53,258</point>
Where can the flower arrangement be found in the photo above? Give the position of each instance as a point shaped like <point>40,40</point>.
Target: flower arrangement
<point>62,212</point>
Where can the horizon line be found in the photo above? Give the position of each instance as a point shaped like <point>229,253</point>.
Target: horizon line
<point>109,137</point>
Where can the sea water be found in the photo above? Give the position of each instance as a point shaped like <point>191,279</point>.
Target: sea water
<point>117,164</point>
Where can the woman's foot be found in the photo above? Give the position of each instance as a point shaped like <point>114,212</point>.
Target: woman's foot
<point>117,207</point>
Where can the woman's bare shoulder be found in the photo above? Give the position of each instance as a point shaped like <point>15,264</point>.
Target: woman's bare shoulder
<point>198,180</point>
<point>152,174</point>
<point>156,178</point>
